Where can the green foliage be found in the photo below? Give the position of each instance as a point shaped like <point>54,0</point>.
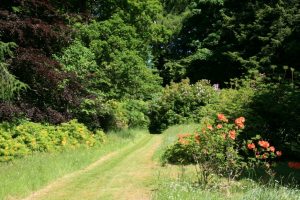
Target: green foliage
<point>269,102</point>
<point>9,85</point>
<point>127,114</point>
<point>180,103</point>
<point>27,137</point>
<point>112,59</point>
<point>79,59</point>
<point>219,40</point>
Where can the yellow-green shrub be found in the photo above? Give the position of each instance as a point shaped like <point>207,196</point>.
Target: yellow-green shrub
<point>28,137</point>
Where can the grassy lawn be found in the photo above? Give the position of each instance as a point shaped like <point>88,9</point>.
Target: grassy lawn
<point>22,176</point>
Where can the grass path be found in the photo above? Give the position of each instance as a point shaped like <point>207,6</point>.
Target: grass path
<point>124,174</point>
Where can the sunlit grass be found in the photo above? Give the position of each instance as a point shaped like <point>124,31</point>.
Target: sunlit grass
<point>179,183</point>
<point>22,176</point>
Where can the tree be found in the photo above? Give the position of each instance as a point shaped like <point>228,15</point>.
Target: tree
<point>224,39</point>
<point>9,85</point>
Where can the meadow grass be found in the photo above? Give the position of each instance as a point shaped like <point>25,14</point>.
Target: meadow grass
<point>176,189</point>
<point>177,182</point>
<point>22,176</point>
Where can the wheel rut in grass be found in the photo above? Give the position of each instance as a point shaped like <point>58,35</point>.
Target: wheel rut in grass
<point>125,174</point>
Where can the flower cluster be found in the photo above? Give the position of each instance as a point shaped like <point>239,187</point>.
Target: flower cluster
<point>263,150</point>
<point>228,131</point>
<point>239,122</point>
<point>185,138</point>
<point>222,118</point>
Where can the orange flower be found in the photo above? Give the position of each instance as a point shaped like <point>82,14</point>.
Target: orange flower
<point>294,165</point>
<point>279,153</point>
<point>210,127</point>
<point>197,138</point>
<point>232,134</point>
<point>181,138</point>
<point>219,126</point>
<point>264,144</point>
<point>242,119</point>
<point>240,122</point>
<point>264,156</point>
<point>183,141</point>
<point>184,135</point>
<point>272,149</point>
<point>251,146</point>
<point>222,118</point>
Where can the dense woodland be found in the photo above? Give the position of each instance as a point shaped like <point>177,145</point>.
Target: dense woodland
<point>120,64</point>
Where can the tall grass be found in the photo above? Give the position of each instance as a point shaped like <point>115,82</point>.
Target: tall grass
<point>184,190</point>
<point>22,176</point>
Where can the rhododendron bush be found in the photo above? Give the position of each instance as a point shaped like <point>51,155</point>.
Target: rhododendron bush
<point>216,148</point>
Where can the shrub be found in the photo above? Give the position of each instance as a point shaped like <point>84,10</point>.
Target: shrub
<point>270,104</point>
<point>28,137</point>
<point>180,103</point>
<point>217,149</point>
<point>127,114</point>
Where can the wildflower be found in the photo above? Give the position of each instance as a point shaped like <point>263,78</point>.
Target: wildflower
<point>279,153</point>
<point>251,146</point>
<point>232,134</point>
<point>294,165</point>
<point>222,118</point>
<point>264,144</point>
<point>272,148</point>
<point>219,126</point>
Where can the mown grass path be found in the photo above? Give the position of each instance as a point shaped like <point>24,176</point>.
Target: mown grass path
<point>124,174</point>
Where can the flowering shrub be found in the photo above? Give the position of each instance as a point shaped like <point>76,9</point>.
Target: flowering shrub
<point>181,152</point>
<point>217,149</point>
<point>180,103</point>
<point>260,152</point>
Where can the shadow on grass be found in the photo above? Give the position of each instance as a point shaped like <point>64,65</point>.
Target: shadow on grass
<point>280,173</point>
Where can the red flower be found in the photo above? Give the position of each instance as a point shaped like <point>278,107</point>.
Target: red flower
<point>232,134</point>
<point>278,153</point>
<point>219,126</point>
<point>264,144</point>
<point>272,149</point>
<point>294,165</point>
<point>251,146</point>
<point>222,118</point>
